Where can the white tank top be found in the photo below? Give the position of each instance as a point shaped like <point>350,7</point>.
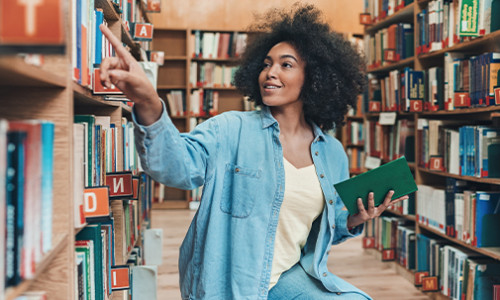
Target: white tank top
<point>303,202</point>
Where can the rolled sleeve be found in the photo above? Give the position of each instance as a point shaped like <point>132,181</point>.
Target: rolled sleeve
<point>342,233</point>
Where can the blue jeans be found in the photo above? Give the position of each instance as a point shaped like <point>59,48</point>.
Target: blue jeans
<point>296,284</point>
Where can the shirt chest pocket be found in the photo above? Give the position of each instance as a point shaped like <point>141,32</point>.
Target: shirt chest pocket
<point>241,184</point>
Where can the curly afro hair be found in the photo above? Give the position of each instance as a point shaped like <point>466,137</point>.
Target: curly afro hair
<point>335,71</point>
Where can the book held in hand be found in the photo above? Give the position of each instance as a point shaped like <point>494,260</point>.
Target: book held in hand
<point>395,175</point>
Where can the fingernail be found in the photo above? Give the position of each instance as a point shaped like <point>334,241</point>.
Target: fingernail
<point>391,191</point>
<point>371,194</point>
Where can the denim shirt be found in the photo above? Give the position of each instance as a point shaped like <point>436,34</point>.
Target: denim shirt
<point>228,250</point>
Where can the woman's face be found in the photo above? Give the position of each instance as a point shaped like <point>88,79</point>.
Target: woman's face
<point>282,76</point>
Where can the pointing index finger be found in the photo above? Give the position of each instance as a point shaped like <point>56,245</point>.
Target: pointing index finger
<point>116,43</point>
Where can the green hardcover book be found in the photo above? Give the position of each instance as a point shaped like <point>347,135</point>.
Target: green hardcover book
<point>395,175</point>
<point>92,232</point>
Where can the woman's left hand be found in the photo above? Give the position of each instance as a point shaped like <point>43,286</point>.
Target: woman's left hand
<point>371,212</point>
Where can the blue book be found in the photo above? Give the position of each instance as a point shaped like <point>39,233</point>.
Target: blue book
<point>422,253</point>
<point>487,219</point>
<point>99,18</point>
<point>47,131</point>
<point>15,206</point>
<point>486,274</point>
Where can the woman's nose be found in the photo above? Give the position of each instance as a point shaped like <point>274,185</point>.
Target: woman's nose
<point>272,71</point>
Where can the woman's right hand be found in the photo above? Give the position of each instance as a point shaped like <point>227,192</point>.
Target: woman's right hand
<point>125,73</point>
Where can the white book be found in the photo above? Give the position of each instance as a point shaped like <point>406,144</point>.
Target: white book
<point>144,282</point>
<point>153,245</point>
<point>78,173</point>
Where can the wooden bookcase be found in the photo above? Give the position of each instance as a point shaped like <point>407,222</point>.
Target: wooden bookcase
<point>487,43</point>
<point>175,75</point>
<point>49,93</point>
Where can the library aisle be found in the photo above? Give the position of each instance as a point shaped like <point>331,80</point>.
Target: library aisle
<point>347,260</point>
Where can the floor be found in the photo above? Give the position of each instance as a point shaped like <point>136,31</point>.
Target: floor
<point>347,260</point>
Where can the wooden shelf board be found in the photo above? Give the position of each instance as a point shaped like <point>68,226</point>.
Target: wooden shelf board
<point>393,66</point>
<point>85,96</point>
<point>495,181</point>
<point>355,145</point>
<point>174,57</point>
<point>220,88</point>
<point>397,213</point>
<point>461,111</point>
<point>170,87</point>
<point>61,241</point>
<point>15,72</point>
<point>355,118</point>
<point>490,41</point>
<point>493,252</point>
<point>217,60</point>
<point>404,14</point>
<point>171,204</point>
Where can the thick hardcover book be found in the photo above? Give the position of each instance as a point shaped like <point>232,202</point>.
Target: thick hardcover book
<point>93,233</point>
<point>15,206</point>
<point>395,175</point>
<point>3,199</point>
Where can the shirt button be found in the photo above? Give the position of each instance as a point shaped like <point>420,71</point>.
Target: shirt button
<point>316,153</point>
<point>237,170</point>
<point>143,151</point>
<point>321,175</point>
<point>333,226</point>
<point>331,201</point>
<point>324,274</point>
<point>338,293</point>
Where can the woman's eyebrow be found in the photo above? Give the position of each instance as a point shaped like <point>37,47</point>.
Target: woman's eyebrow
<point>283,56</point>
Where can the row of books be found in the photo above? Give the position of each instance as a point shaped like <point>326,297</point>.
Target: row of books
<point>354,133</point>
<point>96,244</point>
<point>101,146</point>
<point>26,195</point>
<point>445,23</point>
<point>381,9</point>
<point>460,150</point>
<point>89,46</point>
<point>356,158</point>
<point>209,74</point>
<point>389,142</point>
<point>222,45</point>
<point>463,82</point>
<point>459,273</point>
<point>389,45</point>
<point>202,103</point>
<point>461,212</point>
<point>393,233</point>
<point>438,266</point>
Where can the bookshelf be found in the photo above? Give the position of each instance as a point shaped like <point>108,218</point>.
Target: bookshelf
<point>48,92</point>
<point>175,75</point>
<point>451,118</point>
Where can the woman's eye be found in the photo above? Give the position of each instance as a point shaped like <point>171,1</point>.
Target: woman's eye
<point>266,65</point>
<point>287,65</point>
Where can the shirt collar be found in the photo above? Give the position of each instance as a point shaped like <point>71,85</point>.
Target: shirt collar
<point>268,120</point>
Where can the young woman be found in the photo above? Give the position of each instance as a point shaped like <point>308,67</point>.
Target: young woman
<point>269,212</point>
